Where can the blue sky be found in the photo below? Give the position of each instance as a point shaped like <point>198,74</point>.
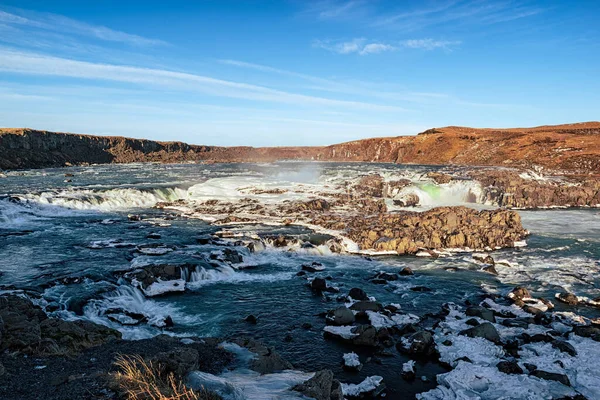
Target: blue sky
<point>295,72</point>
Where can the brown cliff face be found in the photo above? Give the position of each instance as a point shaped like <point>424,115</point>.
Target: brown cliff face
<point>574,148</point>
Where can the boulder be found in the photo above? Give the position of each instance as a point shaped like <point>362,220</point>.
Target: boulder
<point>565,347</point>
<point>367,336</point>
<point>567,298</point>
<point>518,294</point>
<point>358,294</point>
<point>486,331</point>
<point>481,312</point>
<point>267,360</point>
<point>318,284</point>
<point>322,386</point>
<point>421,344</point>
<point>366,306</point>
<point>340,316</point>
<point>552,376</point>
<point>509,367</point>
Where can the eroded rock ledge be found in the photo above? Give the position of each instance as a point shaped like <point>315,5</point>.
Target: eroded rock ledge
<point>408,232</point>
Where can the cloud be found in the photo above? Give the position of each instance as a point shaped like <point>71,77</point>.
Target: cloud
<point>38,64</point>
<point>363,46</point>
<point>429,44</point>
<point>359,46</point>
<point>58,23</point>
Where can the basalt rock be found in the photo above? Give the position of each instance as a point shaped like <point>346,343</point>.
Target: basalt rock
<point>407,232</point>
<point>27,329</point>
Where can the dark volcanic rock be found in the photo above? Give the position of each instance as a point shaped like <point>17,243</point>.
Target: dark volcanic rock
<point>568,298</point>
<point>322,386</point>
<point>340,316</point>
<point>509,367</point>
<point>358,294</point>
<point>481,312</point>
<point>485,330</point>
<point>27,329</point>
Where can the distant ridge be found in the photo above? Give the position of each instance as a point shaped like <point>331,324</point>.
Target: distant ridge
<point>568,147</point>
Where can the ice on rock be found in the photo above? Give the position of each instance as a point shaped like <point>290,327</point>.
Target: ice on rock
<point>345,332</point>
<point>351,360</point>
<point>162,287</point>
<point>471,381</point>
<point>368,385</point>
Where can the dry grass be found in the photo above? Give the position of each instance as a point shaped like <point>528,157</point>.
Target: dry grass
<point>140,380</point>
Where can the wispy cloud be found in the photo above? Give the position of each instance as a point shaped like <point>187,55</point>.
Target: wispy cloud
<point>429,44</point>
<point>359,46</point>
<point>336,9</point>
<point>58,23</point>
<point>37,64</point>
<point>364,47</point>
<point>475,12</point>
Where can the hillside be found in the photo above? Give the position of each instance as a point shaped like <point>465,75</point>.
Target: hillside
<point>569,147</point>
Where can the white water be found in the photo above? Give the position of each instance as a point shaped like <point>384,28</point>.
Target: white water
<point>106,200</point>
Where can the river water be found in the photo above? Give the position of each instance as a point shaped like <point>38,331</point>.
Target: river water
<point>67,243</point>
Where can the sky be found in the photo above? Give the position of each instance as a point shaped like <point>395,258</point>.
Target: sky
<point>295,72</point>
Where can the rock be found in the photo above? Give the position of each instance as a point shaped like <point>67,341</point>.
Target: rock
<point>481,312</point>
<point>551,376</point>
<point>321,386</point>
<point>472,322</point>
<point>490,269</point>
<point>314,267</point>
<point>179,361</point>
<point>351,362</point>
<point>153,235</point>
<point>253,319</point>
<point>319,284</point>
<point>27,329</point>
<point>587,331</point>
<point>406,271</point>
<point>485,330</point>
<point>567,298</point>
<point>565,347</point>
<point>509,367</point>
<point>267,361</point>
<point>484,258</point>
<point>408,371</point>
<point>421,344</point>
<point>366,306</point>
<point>306,325</point>
<point>232,256</point>
<point>421,289</point>
<point>367,336</point>
<point>169,322</point>
<point>340,316</point>
<point>358,294</point>
<point>518,294</point>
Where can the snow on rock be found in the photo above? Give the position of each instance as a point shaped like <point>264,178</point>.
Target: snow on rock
<point>370,384</point>
<point>352,362</point>
<point>471,381</point>
<point>162,287</point>
<point>345,332</point>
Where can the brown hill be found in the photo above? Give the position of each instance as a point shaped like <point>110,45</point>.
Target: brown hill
<point>571,147</point>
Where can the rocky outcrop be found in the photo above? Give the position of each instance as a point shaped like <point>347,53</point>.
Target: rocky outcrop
<point>27,329</point>
<point>510,189</point>
<point>573,147</point>
<point>408,232</point>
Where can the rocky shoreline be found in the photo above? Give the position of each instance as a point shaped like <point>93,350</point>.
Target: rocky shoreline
<point>498,338</point>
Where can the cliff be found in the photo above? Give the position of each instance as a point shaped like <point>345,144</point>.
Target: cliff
<point>572,147</point>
